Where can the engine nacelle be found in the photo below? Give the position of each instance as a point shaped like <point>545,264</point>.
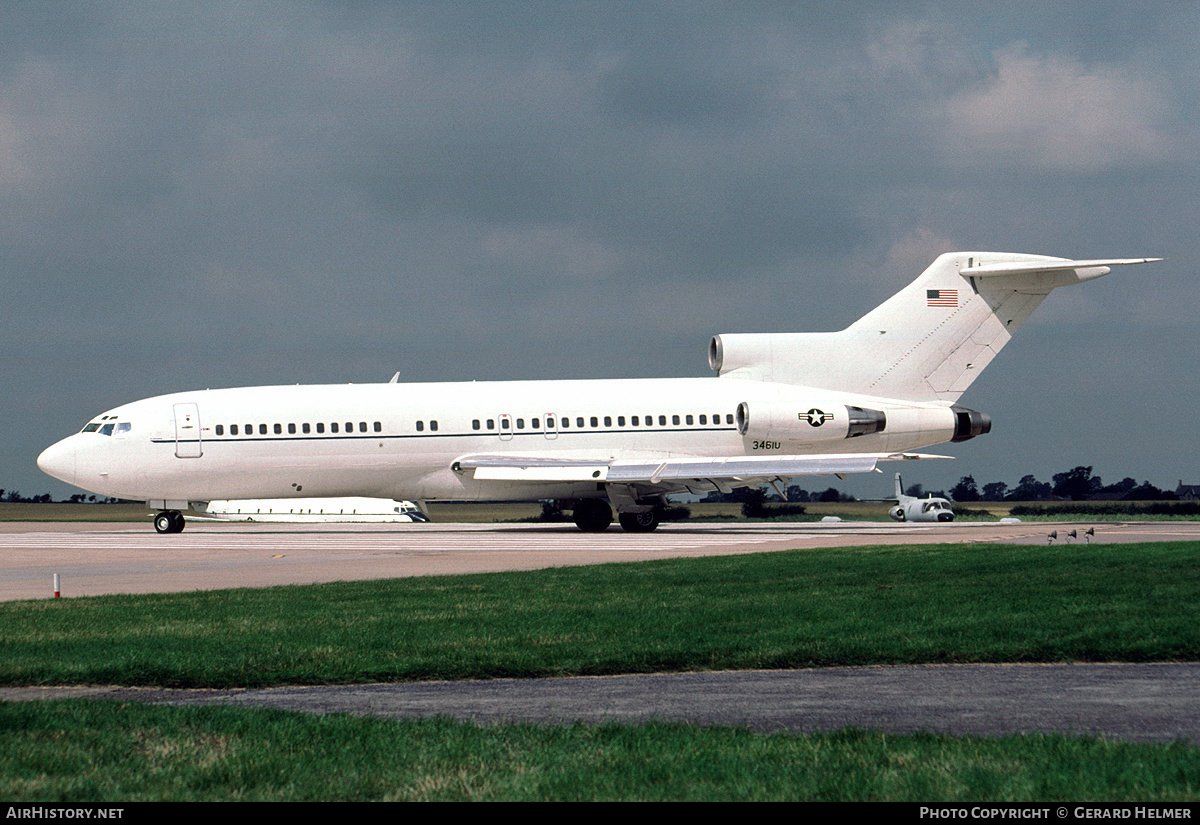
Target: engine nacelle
<point>811,421</point>
<point>969,423</point>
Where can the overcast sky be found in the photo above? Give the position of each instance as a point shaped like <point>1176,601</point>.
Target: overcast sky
<point>224,194</point>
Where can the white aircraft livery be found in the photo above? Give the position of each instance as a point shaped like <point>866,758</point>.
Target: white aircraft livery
<point>911,508</point>
<point>781,405</point>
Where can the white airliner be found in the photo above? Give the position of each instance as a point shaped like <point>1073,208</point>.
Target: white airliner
<point>782,405</point>
<point>313,510</point>
<point>910,508</point>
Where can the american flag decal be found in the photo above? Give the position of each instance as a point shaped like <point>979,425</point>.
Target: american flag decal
<point>941,297</point>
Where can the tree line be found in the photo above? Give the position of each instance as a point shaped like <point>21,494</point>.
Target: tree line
<point>1077,484</point>
<point>15,497</point>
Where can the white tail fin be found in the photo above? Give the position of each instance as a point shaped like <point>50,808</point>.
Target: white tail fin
<point>927,342</point>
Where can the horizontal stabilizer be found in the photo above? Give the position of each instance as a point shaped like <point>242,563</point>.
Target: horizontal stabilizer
<point>1085,269</point>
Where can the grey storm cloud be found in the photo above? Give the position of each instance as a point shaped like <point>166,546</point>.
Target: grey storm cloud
<point>232,193</point>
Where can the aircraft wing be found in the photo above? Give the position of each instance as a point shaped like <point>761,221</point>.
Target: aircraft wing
<point>671,469</point>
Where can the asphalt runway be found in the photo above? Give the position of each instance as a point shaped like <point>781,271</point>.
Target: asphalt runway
<point>1127,702</point>
<point>1139,702</point>
<point>94,558</point>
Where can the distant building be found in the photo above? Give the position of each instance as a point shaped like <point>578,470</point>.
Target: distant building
<point>1187,492</point>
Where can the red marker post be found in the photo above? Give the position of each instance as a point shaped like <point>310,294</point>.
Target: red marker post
<point>56,585</point>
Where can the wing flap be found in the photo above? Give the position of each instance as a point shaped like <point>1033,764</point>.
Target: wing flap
<point>671,469</point>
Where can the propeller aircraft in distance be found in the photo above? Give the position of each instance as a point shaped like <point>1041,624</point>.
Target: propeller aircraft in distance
<point>911,508</point>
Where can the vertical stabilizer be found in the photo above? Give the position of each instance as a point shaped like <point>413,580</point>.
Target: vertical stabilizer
<point>928,342</point>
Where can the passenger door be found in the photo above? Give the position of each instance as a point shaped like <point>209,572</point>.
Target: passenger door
<point>187,431</point>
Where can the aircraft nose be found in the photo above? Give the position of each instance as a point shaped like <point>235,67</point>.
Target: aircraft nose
<point>944,516</point>
<point>58,461</point>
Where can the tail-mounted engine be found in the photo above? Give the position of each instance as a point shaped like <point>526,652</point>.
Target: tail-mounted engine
<point>775,421</point>
<point>968,423</point>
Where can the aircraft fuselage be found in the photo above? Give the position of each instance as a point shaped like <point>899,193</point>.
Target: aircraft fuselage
<point>400,440</point>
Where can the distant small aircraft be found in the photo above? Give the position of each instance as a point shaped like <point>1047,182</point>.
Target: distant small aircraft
<point>313,510</point>
<point>909,508</point>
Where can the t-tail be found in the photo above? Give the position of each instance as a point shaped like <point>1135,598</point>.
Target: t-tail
<point>927,342</point>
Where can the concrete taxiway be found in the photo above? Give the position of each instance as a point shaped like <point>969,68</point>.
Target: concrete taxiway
<point>1143,702</point>
<point>105,558</point>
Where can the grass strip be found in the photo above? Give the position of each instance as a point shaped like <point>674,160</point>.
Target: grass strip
<point>807,608</point>
<point>78,751</point>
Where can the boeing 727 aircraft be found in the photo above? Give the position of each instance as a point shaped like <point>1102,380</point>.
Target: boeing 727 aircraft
<point>782,405</point>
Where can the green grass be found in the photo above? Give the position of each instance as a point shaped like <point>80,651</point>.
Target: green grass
<point>78,751</point>
<point>839,606</point>
<point>810,608</point>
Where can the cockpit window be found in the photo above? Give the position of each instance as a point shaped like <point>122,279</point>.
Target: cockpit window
<point>91,428</point>
<point>107,429</point>
<point>123,427</point>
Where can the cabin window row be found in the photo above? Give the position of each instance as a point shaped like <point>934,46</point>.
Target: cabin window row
<point>507,424</point>
<point>293,429</point>
<point>564,423</point>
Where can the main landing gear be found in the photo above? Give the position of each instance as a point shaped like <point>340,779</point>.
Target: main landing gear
<point>593,515</point>
<point>169,521</point>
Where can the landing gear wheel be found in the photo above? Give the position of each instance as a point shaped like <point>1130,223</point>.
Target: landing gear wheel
<point>169,521</point>
<point>642,522</point>
<point>593,515</point>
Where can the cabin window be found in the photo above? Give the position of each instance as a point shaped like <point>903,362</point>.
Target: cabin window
<point>321,426</point>
<point>520,423</point>
<point>620,421</point>
<point>595,421</point>
<point>362,426</point>
<point>420,426</point>
<point>728,418</point>
<point>278,429</point>
<point>536,423</point>
<point>662,421</point>
<point>475,424</point>
<point>549,423</point>
<point>608,421</point>
<point>491,423</point>
<point>333,427</point>
<point>291,429</point>
<point>233,429</point>
<point>688,420</point>
<point>378,426</point>
<point>220,429</point>
<point>565,422</point>
<point>633,420</point>
<point>505,424</point>
<point>579,421</point>
<point>349,426</point>
<point>433,425</point>
<point>305,428</point>
<point>262,429</point>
